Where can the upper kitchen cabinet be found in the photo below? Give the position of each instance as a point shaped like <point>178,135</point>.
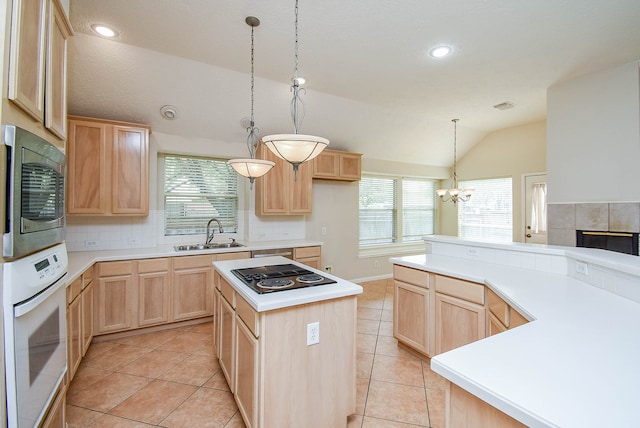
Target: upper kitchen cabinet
<point>108,164</point>
<point>337,165</point>
<point>37,61</point>
<point>279,192</point>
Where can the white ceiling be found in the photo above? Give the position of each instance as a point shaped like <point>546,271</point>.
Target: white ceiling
<point>372,88</point>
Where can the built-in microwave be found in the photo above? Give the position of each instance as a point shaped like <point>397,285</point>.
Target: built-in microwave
<point>34,194</point>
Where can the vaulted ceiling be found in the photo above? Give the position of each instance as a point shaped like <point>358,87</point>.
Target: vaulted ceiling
<point>372,87</point>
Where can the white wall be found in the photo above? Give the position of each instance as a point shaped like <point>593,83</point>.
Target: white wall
<point>593,134</point>
<point>510,152</point>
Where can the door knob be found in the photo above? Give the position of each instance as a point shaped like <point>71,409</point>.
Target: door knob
<point>528,235</point>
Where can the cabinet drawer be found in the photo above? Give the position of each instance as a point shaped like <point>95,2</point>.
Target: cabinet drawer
<point>411,276</point>
<point>465,290</point>
<point>115,268</point>
<point>192,262</point>
<point>227,292</point>
<point>248,315</point>
<point>304,252</point>
<point>73,290</point>
<point>153,265</point>
<point>87,276</point>
<point>498,307</point>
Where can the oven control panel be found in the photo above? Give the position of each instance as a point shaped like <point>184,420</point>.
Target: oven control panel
<point>49,267</point>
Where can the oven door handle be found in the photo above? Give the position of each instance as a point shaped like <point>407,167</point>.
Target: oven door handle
<point>27,306</point>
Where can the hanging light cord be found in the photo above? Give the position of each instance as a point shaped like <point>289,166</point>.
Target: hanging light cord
<point>455,156</point>
<point>296,101</point>
<point>252,138</point>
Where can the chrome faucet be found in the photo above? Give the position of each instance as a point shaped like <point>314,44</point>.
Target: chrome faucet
<point>209,238</point>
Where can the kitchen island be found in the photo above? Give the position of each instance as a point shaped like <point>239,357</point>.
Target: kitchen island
<point>574,364</point>
<point>263,345</point>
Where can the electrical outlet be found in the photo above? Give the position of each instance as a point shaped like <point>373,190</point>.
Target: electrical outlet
<point>472,251</point>
<point>90,244</point>
<point>313,333</point>
<point>323,230</point>
<point>133,241</point>
<point>582,267</point>
<point>328,269</point>
<point>376,264</point>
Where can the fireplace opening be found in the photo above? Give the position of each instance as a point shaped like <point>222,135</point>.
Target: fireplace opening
<point>620,242</point>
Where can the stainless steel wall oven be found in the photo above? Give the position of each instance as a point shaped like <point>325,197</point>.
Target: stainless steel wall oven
<point>34,194</point>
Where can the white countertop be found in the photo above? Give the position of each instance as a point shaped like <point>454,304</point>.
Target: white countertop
<point>286,298</point>
<point>576,364</point>
<point>79,261</point>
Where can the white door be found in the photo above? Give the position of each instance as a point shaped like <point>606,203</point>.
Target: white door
<point>535,211</point>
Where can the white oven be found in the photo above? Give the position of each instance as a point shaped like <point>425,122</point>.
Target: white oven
<point>35,331</point>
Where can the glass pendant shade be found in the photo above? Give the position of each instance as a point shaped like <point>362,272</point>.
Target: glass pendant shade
<point>455,194</point>
<point>295,148</point>
<point>251,168</point>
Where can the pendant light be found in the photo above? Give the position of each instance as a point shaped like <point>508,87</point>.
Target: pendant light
<point>296,148</point>
<point>251,168</point>
<point>455,194</point>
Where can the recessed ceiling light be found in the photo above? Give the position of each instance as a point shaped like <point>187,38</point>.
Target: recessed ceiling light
<point>169,112</point>
<point>440,51</point>
<point>103,30</point>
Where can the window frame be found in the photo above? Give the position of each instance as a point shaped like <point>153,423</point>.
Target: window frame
<point>399,246</point>
<point>161,218</point>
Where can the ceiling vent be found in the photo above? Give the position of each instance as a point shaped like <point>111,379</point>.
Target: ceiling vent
<point>504,106</point>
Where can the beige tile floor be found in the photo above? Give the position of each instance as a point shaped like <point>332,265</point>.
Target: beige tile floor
<point>170,379</point>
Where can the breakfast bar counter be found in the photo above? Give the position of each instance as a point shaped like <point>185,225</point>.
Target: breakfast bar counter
<point>575,364</point>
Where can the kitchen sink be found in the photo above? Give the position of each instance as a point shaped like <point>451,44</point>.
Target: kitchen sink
<point>212,246</point>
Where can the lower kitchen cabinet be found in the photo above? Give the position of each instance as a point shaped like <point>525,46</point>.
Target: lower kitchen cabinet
<point>227,346</point>
<point>114,297</point>
<point>247,369</point>
<point>74,329</point>
<point>192,287</point>
<point>310,256</point>
<point>500,316</point>
<point>87,311</point>
<point>458,322</point>
<point>410,315</point>
<point>154,288</point>
<point>56,414</point>
<point>258,351</point>
<point>466,410</point>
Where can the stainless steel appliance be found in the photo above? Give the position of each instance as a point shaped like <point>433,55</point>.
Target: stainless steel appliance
<point>35,335</point>
<point>284,252</point>
<point>268,279</point>
<point>35,193</point>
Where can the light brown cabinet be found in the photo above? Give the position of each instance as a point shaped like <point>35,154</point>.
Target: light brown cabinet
<point>259,349</point>
<point>37,61</point>
<point>87,308</point>
<point>154,288</point>
<point>411,307</point>
<point>108,164</point>
<point>310,256</point>
<point>459,313</point>
<point>192,287</point>
<point>279,192</point>
<point>56,414</point>
<point>114,296</point>
<point>74,329</point>
<point>337,165</point>
<point>500,316</point>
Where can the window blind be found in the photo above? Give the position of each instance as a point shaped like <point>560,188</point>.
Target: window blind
<point>417,209</point>
<point>488,215</point>
<point>377,211</point>
<point>196,190</point>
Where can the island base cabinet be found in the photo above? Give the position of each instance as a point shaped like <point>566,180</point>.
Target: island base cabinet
<point>276,378</point>
<point>466,410</point>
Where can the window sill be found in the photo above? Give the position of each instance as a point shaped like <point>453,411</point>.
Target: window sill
<point>392,250</point>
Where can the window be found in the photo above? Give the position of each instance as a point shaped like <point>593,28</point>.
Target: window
<point>392,207</point>
<point>488,215</point>
<point>196,190</point>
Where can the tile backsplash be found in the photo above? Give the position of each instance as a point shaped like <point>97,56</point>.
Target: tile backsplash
<point>563,220</point>
<point>116,233</point>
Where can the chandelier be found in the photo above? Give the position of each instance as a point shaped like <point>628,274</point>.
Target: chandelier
<point>296,148</point>
<point>455,194</point>
<point>251,168</point>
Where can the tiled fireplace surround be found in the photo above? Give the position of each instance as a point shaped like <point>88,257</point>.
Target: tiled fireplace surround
<point>563,220</point>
